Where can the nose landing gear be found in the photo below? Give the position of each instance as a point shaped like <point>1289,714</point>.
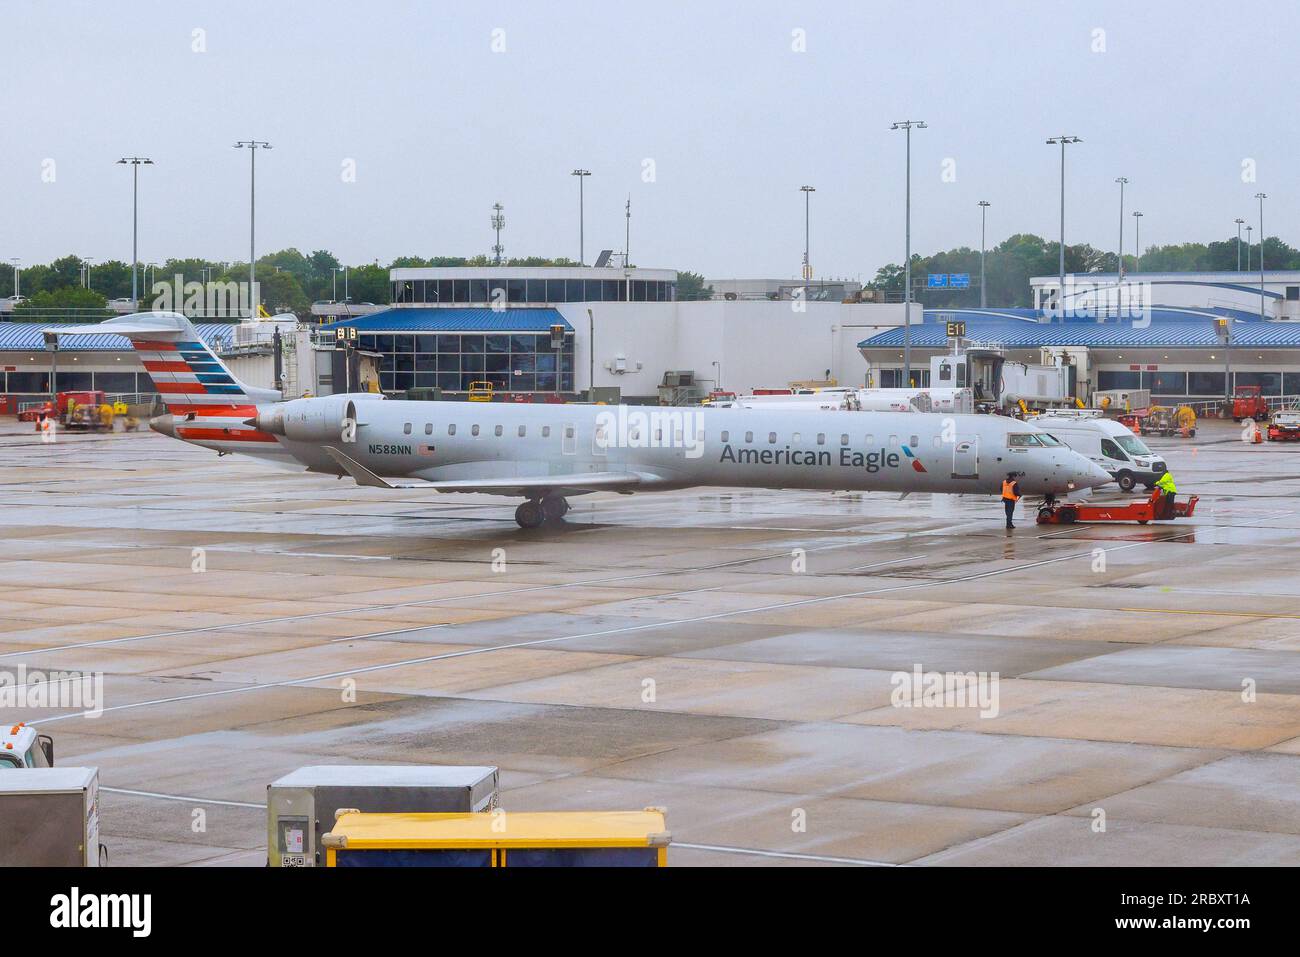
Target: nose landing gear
<point>536,512</point>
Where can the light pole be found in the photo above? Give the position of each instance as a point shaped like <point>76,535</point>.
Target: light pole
<point>1249,230</point>
<point>1261,197</point>
<point>252,146</point>
<point>984,299</point>
<point>582,253</point>
<point>807,263</point>
<point>1064,141</point>
<point>1137,241</point>
<point>85,267</point>
<point>1239,221</point>
<point>135,162</point>
<point>1119,262</point>
<point>14,260</point>
<point>335,270</point>
<point>906,127</point>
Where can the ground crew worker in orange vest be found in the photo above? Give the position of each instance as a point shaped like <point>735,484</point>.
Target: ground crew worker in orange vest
<point>1010,495</point>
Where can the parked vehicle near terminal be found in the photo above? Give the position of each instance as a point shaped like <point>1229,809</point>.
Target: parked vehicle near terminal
<point>22,747</point>
<point>1248,402</point>
<point>1284,426</point>
<point>1162,420</point>
<point>500,839</point>
<point>302,805</point>
<point>1107,443</point>
<point>49,817</point>
<point>74,410</point>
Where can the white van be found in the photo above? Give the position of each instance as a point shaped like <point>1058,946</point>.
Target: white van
<point>1106,442</point>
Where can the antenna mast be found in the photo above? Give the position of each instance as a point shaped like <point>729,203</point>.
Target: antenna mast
<point>498,224</point>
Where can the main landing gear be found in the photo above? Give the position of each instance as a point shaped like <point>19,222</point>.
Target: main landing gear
<point>535,512</point>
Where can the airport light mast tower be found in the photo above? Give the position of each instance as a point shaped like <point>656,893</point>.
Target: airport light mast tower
<point>1261,197</point>
<point>582,174</point>
<point>906,126</point>
<point>135,162</point>
<point>984,208</point>
<point>1064,141</point>
<point>252,146</point>
<point>807,262</point>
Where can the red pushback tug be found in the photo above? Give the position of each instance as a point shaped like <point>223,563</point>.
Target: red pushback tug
<point>1158,508</point>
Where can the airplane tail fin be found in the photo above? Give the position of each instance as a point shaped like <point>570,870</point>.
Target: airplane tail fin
<point>188,375</point>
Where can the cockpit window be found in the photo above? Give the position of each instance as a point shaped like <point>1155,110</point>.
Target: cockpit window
<point>1049,440</point>
<point>1022,440</point>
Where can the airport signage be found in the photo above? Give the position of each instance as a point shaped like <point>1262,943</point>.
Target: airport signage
<point>936,280</point>
<point>956,329</point>
<point>948,280</point>
<point>959,280</point>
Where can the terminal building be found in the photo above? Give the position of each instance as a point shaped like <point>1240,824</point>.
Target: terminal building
<point>1275,296</point>
<point>1183,336</point>
<point>554,333</point>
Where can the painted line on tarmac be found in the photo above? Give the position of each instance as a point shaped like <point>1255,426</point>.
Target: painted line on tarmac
<point>1197,611</point>
<point>423,603</point>
<point>183,798</point>
<point>784,855</point>
<point>628,629</point>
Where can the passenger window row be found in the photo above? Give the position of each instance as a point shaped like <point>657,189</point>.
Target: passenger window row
<point>796,438</point>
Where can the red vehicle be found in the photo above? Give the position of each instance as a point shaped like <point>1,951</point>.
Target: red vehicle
<point>1249,403</point>
<point>1284,426</point>
<point>32,411</point>
<point>62,403</point>
<point>1156,508</point>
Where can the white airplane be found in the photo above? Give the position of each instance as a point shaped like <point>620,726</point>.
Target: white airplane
<point>544,453</point>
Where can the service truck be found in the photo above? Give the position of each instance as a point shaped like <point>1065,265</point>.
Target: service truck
<point>1106,442</point>
<point>49,817</point>
<point>22,747</point>
<point>301,806</point>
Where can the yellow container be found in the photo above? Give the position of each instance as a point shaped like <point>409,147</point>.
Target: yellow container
<point>499,839</point>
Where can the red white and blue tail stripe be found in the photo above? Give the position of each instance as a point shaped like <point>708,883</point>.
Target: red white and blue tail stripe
<point>206,403</point>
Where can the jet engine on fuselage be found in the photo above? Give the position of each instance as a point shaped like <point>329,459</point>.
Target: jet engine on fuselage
<point>324,419</point>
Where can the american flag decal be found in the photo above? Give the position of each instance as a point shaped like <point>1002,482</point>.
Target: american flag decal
<point>425,450</point>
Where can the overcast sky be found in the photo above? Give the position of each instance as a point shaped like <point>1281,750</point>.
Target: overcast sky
<point>446,108</point>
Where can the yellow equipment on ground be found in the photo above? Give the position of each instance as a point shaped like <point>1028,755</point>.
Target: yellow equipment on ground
<point>499,839</point>
<point>480,391</point>
<point>1185,417</point>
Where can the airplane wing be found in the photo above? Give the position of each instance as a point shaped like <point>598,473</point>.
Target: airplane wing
<point>574,484</point>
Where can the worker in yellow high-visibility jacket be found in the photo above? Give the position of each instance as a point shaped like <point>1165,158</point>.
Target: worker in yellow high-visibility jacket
<point>1167,492</point>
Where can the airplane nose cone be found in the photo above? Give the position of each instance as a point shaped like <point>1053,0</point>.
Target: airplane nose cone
<point>1095,475</point>
<point>164,424</point>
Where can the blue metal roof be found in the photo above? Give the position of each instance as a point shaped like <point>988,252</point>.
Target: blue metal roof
<point>1162,332</point>
<point>25,336</point>
<point>456,320</point>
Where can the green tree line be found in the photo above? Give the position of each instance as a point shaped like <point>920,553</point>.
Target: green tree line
<point>1009,265</point>
<point>287,279</point>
